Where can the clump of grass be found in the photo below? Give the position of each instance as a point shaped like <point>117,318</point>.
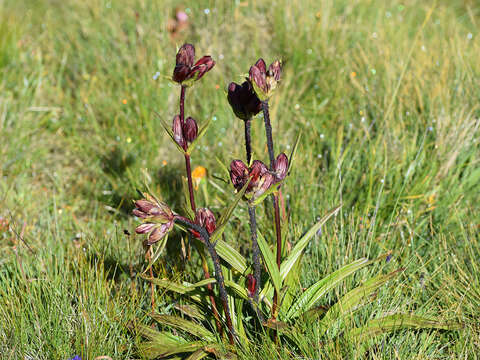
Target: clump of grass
<point>403,186</point>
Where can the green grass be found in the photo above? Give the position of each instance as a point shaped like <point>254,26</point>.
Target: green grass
<point>386,95</point>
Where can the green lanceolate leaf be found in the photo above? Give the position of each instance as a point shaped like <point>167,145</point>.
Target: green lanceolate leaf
<point>160,337</point>
<point>395,322</point>
<point>169,132</point>
<point>185,325</point>
<point>270,262</point>
<point>320,288</point>
<point>190,310</point>
<point>297,250</point>
<point>294,151</point>
<point>231,256</point>
<point>179,288</point>
<point>201,132</point>
<point>197,355</point>
<point>354,299</point>
<point>240,291</point>
<point>154,350</point>
<point>222,222</point>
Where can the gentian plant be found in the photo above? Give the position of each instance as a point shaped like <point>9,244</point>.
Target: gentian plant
<point>239,299</point>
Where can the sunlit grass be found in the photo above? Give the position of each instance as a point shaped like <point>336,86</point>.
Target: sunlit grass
<point>385,94</point>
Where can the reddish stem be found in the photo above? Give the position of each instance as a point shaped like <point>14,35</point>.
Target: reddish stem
<point>190,182</point>
<point>188,169</point>
<point>278,230</point>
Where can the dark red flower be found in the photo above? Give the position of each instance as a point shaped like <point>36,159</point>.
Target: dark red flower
<point>251,282</point>
<point>263,81</point>
<point>185,133</point>
<point>190,129</point>
<point>281,166</point>
<point>157,216</point>
<point>260,178</point>
<point>205,218</point>
<point>185,69</point>
<point>243,100</point>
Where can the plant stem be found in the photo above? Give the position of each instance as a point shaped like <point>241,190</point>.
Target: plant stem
<point>248,140</point>
<point>190,182</point>
<point>218,324</point>
<point>257,269</point>
<point>188,169</point>
<point>278,230</point>
<point>182,105</point>
<point>152,285</point>
<point>205,238</point>
<point>268,131</point>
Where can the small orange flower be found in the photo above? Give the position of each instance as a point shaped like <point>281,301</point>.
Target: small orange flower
<point>353,74</point>
<point>198,174</point>
<point>164,162</point>
<point>124,101</point>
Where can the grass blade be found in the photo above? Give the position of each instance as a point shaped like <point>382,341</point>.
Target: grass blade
<point>290,261</point>
<point>320,288</point>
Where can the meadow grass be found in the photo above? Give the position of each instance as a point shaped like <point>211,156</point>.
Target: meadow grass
<point>386,95</point>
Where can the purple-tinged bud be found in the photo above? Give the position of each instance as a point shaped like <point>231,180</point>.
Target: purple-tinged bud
<point>257,170</point>
<point>281,166</point>
<point>186,55</point>
<point>264,184</point>
<point>251,282</point>
<point>139,213</point>
<point>205,218</point>
<point>190,129</point>
<point>159,232</point>
<point>243,100</point>
<point>144,205</point>
<point>201,67</point>
<point>259,81</point>
<point>275,70</point>
<point>238,173</point>
<point>178,132</point>
<point>144,228</point>
<point>185,69</point>
<point>260,64</point>
<point>264,82</point>
<point>152,209</point>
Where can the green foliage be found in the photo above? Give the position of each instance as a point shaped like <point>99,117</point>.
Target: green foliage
<point>72,153</point>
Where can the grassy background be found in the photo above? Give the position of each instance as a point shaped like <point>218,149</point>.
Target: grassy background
<point>386,95</point>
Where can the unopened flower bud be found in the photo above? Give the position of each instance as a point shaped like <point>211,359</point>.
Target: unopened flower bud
<point>238,173</point>
<point>257,170</point>
<point>144,228</point>
<point>243,100</point>
<point>185,69</point>
<point>275,70</point>
<point>251,282</point>
<point>202,66</point>
<point>263,81</point>
<point>159,232</point>
<point>178,132</point>
<point>281,166</point>
<point>186,55</point>
<point>190,129</point>
<point>205,218</point>
<point>264,184</point>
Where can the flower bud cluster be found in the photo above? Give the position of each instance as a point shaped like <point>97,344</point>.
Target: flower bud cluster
<point>185,133</point>
<point>261,179</point>
<point>265,81</point>
<point>205,218</point>
<point>186,69</point>
<point>157,218</point>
